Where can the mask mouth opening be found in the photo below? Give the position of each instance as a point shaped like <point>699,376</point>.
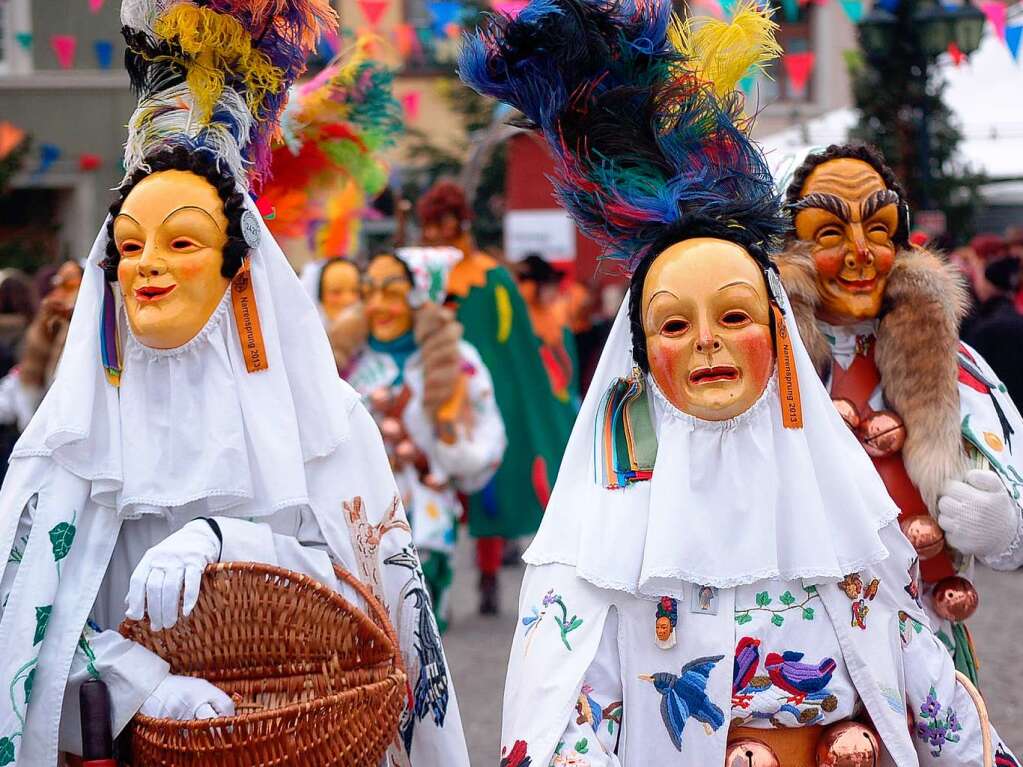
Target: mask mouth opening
<point>715,374</point>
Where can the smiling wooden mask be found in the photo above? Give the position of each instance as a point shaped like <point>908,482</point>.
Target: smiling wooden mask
<point>706,318</point>
<point>170,234</point>
<point>849,216</point>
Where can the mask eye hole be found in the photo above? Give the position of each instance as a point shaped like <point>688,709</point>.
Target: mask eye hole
<point>736,319</point>
<point>674,327</point>
<point>183,244</point>
<point>130,248</point>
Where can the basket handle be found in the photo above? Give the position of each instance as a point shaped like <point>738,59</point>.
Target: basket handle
<point>373,605</point>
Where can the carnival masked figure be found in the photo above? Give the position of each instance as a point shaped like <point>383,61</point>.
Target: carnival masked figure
<point>719,578</point>
<point>880,318</point>
<point>538,420</point>
<point>437,451</point>
<point>197,415</point>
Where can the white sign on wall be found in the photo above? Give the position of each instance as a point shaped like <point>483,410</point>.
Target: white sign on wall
<point>550,233</point>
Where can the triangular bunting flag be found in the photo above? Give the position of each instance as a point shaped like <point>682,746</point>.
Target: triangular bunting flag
<point>798,67</point>
<point>405,40</point>
<point>10,137</point>
<point>1013,36</point>
<point>853,9</point>
<point>996,14</point>
<point>24,39</point>
<point>453,30</point>
<point>104,50</point>
<point>410,103</point>
<point>956,53</point>
<point>48,155</point>
<point>373,10</point>
<point>509,8</point>
<point>95,5</point>
<point>791,8</point>
<point>64,48</point>
<point>444,12</point>
<point>888,5</point>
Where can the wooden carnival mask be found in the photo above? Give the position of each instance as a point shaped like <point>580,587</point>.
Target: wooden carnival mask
<point>386,289</point>
<point>850,217</point>
<point>706,318</point>
<point>339,287</point>
<point>170,234</point>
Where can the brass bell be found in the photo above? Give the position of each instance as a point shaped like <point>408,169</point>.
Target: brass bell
<point>954,598</point>
<point>848,411</point>
<point>848,744</point>
<point>748,752</point>
<point>882,434</point>
<point>926,535</point>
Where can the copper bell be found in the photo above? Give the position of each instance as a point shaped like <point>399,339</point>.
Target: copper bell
<point>926,535</point>
<point>848,411</point>
<point>750,753</point>
<point>954,598</point>
<point>848,744</point>
<point>380,399</point>
<point>883,433</point>
<point>390,429</point>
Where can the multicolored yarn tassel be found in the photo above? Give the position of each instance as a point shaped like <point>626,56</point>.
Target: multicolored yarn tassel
<point>109,343</point>
<point>626,443</point>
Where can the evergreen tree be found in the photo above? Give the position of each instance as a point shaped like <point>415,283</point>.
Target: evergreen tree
<point>902,113</point>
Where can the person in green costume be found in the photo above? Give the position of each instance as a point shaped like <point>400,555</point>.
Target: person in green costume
<point>489,306</point>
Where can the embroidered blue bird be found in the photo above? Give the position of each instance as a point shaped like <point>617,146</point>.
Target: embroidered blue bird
<point>685,696</point>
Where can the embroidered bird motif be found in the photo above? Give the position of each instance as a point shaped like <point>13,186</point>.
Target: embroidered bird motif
<point>744,668</point>
<point>685,696</point>
<point>796,678</point>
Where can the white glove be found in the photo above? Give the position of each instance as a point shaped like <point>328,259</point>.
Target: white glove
<point>185,698</point>
<point>978,516</point>
<point>174,564</point>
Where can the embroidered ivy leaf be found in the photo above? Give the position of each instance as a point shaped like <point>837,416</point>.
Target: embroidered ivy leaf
<point>807,613</point>
<point>582,746</point>
<point>777,620</point>
<point>29,681</point>
<point>6,751</point>
<point>743,619</point>
<point>787,598</point>
<point>42,621</point>
<point>810,589</point>
<point>61,537</point>
<point>763,599</point>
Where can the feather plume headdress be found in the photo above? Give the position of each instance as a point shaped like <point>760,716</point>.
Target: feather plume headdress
<point>328,163</point>
<point>213,75</point>
<point>641,113</point>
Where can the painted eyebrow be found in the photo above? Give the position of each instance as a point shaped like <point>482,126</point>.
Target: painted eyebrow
<point>190,207</point>
<point>662,290</point>
<point>828,202</point>
<point>879,199</point>
<point>737,284</point>
<point>130,218</point>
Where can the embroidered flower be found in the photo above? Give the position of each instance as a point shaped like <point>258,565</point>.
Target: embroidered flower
<point>550,598</point>
<point>931,707</point>
<point>934,729</point>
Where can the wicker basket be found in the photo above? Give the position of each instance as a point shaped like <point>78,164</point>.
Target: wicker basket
<point>316,681</point>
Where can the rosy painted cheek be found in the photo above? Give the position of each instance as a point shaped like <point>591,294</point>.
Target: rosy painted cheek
<point>884,259</point>
<point>668,363</point>
<point>754,353</point>
<point>829,262</point>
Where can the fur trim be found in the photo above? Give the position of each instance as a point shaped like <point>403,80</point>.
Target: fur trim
<point>917,341</point>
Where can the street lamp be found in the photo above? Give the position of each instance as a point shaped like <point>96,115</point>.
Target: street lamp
<point>968,22</point>
<point>877,32</point>
<point>937,26</point>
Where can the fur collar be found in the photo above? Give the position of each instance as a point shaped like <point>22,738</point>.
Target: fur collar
<point>917,341</point>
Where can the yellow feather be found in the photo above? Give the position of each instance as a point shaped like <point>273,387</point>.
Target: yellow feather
<point>721,53</point>
<point>214,44</point>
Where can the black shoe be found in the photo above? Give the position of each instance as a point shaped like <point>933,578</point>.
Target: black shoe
<point>512,556</point>
<point>488,595</point>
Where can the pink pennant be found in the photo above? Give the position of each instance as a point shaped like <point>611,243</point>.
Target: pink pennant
<point>64,48</point>
<point>798,67</point>
<point>510,8</point>
<point>95,5</point>
<point>373,10</point>
<point>996,14</point>
<point>410,103</point>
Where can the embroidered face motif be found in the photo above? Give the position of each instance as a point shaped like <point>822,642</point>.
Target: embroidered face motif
<point>706,321</point>
<point>339,287</point>
<point>171,233</point>
<point>850,217</point>
<point>663,628</point>
<point>385,289</point>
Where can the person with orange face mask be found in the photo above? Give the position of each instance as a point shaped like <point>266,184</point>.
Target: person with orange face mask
<point>881,320</point>
<point>439,445</point>
<point>719,579</point>
<point>196,418</point>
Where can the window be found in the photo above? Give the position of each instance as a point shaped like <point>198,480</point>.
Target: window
<point>795,36</point>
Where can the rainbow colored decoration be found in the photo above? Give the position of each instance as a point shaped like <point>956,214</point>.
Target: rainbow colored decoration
<point>627,443</point>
